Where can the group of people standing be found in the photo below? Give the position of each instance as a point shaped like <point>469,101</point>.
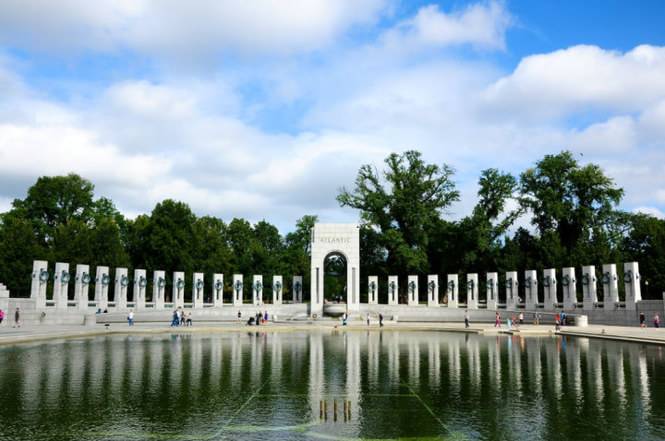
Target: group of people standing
<point>643,320</point>
<point>181,318</point>
<point>258,319</point>
<point>17,317</point>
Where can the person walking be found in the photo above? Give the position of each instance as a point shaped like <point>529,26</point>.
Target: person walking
<point>466,318</point>
<point>2,316</point>
<point>368,319</point>
<point>130,318</point>
<point>174,320</point>
<point>265,317</point>
<point>497,320</point>
<point>189,318</point>
<point>181,316</point>
<point>643,320</point>
<point>656,321</point>
<point>17,318</point>
<point>380,320</point>
<point>521,317</point>
<point>562,321</point>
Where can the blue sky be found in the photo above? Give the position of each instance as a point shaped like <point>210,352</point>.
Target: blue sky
<point>264,109</point>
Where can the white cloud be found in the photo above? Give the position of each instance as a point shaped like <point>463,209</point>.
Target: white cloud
<point>182,29</point>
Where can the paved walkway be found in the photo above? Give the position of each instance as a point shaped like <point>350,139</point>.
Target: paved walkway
<point>9,335</point>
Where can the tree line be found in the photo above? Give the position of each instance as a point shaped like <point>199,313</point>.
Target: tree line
<point>406,228</point>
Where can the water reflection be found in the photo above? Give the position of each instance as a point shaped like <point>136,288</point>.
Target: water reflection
<point>274,386</point>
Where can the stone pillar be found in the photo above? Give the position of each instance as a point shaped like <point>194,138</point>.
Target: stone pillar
<point>511,290</point>
<point>530,290</point>
<point>217,290</point>
<point>140,284</point>
<point>393,290</point>
<point>120,288</point>
<point>631,279</point>
<point>549,289</point>
<point>178,294</point>
<point>40,278</point>
<point>158,289</point>
<point>102,282</point>
<point>61,285</point>
<point>238,289</point>
<point>472,291</point>
<point>433,290</point>
<point>198,291</point>
<point>589,287</point>
<point>372,290</point>
<point>412,290</point>
<point>297,289</point>
<point>257,289</point>
<point>81,287</point>
<point>569,288</point>
<point>610,287</point>
<point>492,291</point>
<point>277,290</point>
<point>452,288</point>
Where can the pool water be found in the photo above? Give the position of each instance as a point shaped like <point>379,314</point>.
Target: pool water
<point>354,385</point>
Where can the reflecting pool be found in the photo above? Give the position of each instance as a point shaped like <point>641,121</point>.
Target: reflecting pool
<point>332,386</point>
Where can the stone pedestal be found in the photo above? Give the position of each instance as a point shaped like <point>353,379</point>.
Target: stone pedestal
<point>589,290</point>
<point>217,289</point>
<point>140,287</point>
<point>198,290</point>
<point>257,289</point>
<point>550,300</point>
<point>492,291</point>
<point>512,297</point>
<point>102,282</point>
<point>432,290</point>
<point>610,287</point>
<point>61,285</point>
<point>631,279</point>
<point>159,289</point>
<point>120,288</point>
<point>472,291</point>
<point>178,294</point>
<point>277,290</point>
<point>452,291</point>
<point>40,278</point>
<point>569,288</point>
<point>238,289</point>
<point>297,288</point>
<point>372,290</point>
<point>412,290</point>
<point>393,290</point>
<point>530,290</point>
<point>82,287</point>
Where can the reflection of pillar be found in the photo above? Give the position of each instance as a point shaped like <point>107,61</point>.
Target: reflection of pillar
<point>610,287</point>
<point>256,362</point>
<point>553,368</point>
<point>353,374</point>
<point>372,290</point>
<point>198,290</point>
<point>276,358</point>
<point>393,290</point>
<point>433,290</point>
<point>412,289</point>
<point>238,289</point>
<point>550,300</point>
<point>81,287</point>
<point>512,298</point>
<point>492,291</point>
<point>40,278</point>
<point>473,358</point>
<point>120,288</point>
<point>236,361</point>
<point>140,285</point>
<point>373,349</point>
<point>589,287</point>
<point>530,289</point>
<point>452,291</point>
<point>472,291</point>
<point>102,282</point>
<point>616,372</point>
<point>414,359</point>
<point>631,278</point>
<point>534,364</point>
<point>393,358</point>
<point>316,379</point>
<point>277,290</point>
<point>61,285</point>
<point>257,290</point>
<point>217,289</point>
<point>573,353</point>
<point>569,288</point>
<point>297,289</point>
<point>158,289</point>
<point>434,362</point>
<point>454,363</point>
<point>494,361</point>
<point>595,372</point>
<point>178,295</point>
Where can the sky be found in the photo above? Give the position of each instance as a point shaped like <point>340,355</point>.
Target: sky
<point>265,109</point>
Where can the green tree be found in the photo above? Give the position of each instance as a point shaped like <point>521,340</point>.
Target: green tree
<point>18,248</point>
<point>402,206</point>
